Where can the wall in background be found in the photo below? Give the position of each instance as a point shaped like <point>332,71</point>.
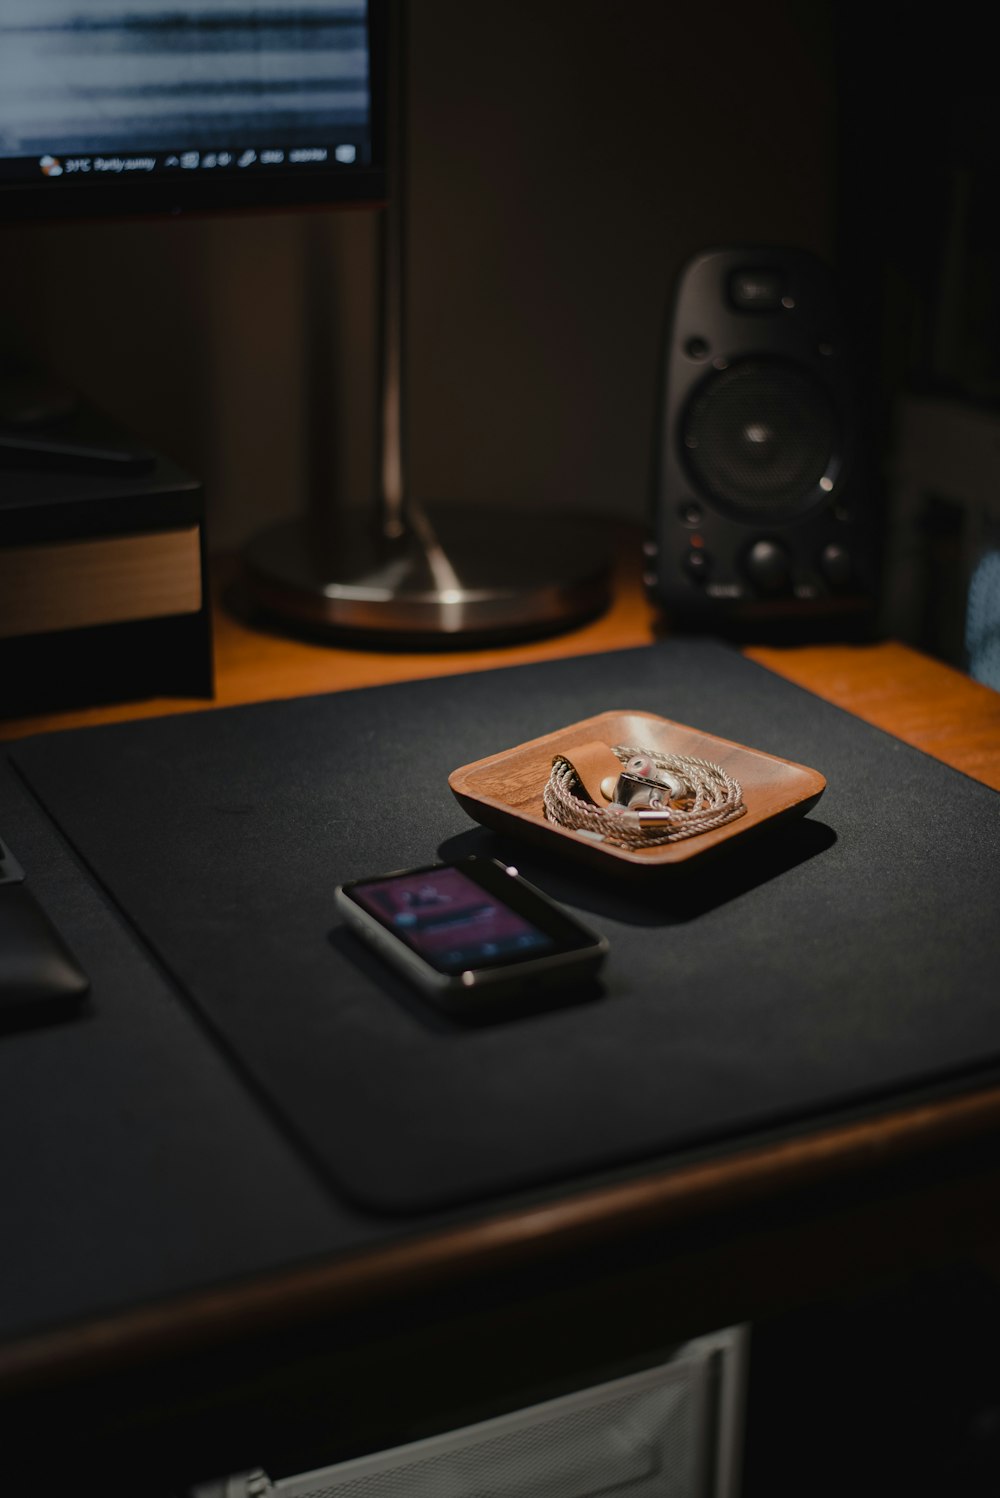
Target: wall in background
<point>918,251</point>
<point>564,163</point>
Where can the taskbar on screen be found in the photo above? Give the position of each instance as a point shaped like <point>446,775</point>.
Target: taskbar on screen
<point>78,166</point>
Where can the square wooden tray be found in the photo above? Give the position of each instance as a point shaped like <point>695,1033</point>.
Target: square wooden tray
<point>504,791</point>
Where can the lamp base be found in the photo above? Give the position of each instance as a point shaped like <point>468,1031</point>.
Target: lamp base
<point>457,576</point>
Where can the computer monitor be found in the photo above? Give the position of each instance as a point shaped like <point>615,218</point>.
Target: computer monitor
<point>136,106</point>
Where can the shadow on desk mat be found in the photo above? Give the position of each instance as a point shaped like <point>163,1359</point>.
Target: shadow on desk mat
<point>848,957</point>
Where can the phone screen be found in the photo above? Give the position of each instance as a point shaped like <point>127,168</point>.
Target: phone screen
<point>453,922</point>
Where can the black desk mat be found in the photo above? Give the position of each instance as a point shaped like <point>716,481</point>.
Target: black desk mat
<point>136,1165</point>
<point>843,960</point>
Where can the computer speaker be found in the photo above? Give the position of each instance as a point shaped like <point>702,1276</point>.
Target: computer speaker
<point>764,513</point>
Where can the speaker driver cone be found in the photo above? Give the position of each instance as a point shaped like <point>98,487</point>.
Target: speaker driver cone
<point>761,439</point>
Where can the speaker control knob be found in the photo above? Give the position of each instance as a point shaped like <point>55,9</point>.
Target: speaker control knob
<point>768,566</point>
<point>697,564</point>
<point>836,565</point>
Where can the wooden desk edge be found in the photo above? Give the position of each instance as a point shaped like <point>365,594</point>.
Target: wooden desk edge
<point>514,1238</point>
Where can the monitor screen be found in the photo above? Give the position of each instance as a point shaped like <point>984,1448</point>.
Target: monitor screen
<point>136,105</point>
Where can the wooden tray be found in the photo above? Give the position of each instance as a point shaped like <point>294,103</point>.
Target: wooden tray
<point>504,791</point>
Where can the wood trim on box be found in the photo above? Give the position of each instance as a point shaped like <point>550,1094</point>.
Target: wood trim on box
<point>107,580</point>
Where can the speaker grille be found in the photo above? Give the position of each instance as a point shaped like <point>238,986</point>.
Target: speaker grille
<point>759,436</point>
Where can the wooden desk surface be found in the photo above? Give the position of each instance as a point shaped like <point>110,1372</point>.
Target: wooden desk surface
<point>922,702</point>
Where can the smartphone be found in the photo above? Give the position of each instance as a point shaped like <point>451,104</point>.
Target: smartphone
<point>470,934</point>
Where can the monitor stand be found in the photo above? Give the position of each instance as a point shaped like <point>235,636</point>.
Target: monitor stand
<point>421,574</point>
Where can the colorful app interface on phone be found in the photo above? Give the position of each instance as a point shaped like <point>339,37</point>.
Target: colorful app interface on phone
<point>451,921</point>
